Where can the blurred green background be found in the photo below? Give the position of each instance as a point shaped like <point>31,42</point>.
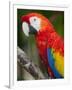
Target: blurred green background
<point>28,43</point>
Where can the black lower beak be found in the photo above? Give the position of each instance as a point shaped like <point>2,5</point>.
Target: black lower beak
<point>32,30</point>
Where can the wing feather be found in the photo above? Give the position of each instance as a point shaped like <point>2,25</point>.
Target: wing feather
<point>56,63</point>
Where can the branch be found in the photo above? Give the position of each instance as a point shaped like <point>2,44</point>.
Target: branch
<point>28,65</point>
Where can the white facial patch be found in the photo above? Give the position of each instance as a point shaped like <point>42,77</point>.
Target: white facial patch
<point>25,28</point>
<point>35,22</point>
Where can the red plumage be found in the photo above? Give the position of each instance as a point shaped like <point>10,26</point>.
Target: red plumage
<point>45,39</point>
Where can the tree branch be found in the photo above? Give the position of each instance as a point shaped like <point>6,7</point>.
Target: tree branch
<point>28,65</point>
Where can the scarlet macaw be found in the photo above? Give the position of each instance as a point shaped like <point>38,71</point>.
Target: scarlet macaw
<point>50,45</point>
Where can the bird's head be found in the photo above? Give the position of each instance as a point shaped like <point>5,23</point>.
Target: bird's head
<point>32,23</point>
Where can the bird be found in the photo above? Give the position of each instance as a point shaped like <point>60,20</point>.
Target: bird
<point>49,43</point>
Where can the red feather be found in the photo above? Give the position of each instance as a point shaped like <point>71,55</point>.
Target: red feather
<point>46,39</point>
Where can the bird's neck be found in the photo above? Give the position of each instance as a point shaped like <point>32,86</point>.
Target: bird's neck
<point>45,32</point>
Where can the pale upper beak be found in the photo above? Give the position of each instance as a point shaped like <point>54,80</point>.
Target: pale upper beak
<point>25,28</point>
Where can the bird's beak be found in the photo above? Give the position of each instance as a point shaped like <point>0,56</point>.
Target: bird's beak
<point>32,30</point>
<point>25,28</point>
<point>28,29</point>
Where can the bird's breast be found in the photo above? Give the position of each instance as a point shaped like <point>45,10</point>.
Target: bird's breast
<point>42,48</point>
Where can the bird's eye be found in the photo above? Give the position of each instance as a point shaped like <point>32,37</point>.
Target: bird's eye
<point>34,19</point>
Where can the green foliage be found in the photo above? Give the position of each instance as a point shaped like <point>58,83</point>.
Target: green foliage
<point>59,25</point>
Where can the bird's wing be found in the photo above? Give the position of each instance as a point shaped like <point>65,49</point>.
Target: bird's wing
<point>56,62</point>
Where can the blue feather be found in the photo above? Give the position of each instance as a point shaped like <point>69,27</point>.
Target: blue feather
<point>51,63</point>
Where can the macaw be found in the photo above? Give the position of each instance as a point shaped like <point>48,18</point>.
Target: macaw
<point>50,45</point>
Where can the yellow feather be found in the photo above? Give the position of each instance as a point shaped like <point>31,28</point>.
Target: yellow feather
<point>59,62</point>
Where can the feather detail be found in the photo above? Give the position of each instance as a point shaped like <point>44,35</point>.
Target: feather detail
<point>59,62</point>
<point>52,62</point>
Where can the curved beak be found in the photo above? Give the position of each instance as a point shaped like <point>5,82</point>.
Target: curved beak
<point>28,29</point>
<point>32,30</point>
